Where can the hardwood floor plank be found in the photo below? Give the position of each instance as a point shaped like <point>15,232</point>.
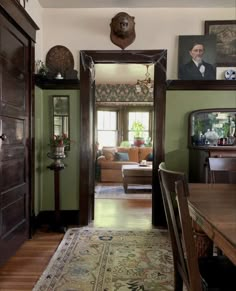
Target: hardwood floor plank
<point>23,270</point>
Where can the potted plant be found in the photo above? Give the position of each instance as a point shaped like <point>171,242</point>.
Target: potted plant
<point>138,128</point>
<point>59,143</point>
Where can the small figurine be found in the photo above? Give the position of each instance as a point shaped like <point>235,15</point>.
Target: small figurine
<point>59,76</point>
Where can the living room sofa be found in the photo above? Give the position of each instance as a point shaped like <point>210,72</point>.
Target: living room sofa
<point>112,158</point>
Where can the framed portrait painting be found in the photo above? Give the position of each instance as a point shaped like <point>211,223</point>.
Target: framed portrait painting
<point>197,57</point>
<point>225,32</point>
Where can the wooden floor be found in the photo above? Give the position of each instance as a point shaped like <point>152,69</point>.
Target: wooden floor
<point>22,271</point>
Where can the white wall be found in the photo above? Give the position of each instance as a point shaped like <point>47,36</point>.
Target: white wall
<point>89,29</point>
<point>35,11</point>
<point>156,28</point>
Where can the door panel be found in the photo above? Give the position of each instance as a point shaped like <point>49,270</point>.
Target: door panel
<point>14,151</point>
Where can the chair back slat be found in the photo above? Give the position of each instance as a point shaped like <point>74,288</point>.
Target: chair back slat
<point>222,170</point>
<point>180,229</point>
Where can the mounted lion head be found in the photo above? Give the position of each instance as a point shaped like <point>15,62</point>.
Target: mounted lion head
<point>122,30</point>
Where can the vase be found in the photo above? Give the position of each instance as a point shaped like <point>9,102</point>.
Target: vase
<point>139,141</point>
<point>57,153</point>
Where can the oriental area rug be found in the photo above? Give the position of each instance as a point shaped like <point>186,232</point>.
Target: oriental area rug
<point>117,192</point>
<point>98,259</point>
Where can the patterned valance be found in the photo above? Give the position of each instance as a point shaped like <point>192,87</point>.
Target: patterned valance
<point>121,93</point>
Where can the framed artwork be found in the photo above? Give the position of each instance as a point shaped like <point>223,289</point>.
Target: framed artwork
<point>61,105</point>
<point>197,57</point>
<point>225,32</point>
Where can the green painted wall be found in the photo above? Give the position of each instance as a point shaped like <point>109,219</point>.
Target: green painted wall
<point>178,106</point>
<point>69,177</point>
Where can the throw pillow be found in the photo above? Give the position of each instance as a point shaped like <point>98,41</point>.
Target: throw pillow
<point>109,153</point>
<point>150,157</point>
<point>121,156</point>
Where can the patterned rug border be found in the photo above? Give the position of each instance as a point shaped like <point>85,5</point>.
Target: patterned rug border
<point>62,253</point>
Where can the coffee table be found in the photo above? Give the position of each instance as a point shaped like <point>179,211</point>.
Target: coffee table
<point>136,174</point>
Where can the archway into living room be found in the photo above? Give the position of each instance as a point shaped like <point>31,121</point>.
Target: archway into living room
<point>124,119</point>
<point>87,96</point>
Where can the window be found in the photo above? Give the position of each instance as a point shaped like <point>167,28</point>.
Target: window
<point>114,124</point>
<point>107,128</point>
<point>144,118</point>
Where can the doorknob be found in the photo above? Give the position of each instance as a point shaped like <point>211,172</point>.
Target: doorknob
<point>3,136</point>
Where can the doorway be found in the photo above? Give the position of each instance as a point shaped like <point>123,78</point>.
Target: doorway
<point>87,114</point>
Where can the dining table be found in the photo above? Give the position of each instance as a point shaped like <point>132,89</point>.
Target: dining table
<point>212,208</point>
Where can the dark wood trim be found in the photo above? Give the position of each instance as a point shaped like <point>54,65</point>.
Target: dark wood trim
<point>201,85</point>
<point>226,85</point>
<point>158,215</point>
<point>68,217</point>
<point>32,138</point>
<point>17,14</point>
<point>54,84</point>
<point>87,60</point>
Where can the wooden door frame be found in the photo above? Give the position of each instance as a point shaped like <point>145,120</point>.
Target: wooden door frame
<point>87,104</point>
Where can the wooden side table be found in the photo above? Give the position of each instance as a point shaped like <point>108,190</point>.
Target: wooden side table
<point>57,223</point>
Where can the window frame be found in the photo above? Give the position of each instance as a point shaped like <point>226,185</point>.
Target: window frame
<point>122,119</point>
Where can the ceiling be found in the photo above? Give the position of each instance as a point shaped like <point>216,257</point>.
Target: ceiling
<point>122,73</point>
<point>135,3</point>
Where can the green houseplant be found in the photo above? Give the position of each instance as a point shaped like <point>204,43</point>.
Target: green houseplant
<point>138,128</point>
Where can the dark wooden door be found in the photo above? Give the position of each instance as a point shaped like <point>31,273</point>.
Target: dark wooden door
<point>14,142</point>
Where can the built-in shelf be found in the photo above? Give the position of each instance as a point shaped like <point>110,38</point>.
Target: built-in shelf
<point>201,85</point>
<point>56,84</point>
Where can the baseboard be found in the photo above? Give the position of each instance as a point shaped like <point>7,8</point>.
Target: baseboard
<point>67,217</point>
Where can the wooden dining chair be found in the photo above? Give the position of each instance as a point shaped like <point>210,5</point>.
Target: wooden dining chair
<point>198,274</point>
<point>222,170</point>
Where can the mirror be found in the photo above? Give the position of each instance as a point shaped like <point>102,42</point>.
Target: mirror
<point>212,127</point>
<point>61,115</point>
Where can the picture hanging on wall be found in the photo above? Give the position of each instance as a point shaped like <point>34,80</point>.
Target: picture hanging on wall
<point>225,32</point>
<point>197,57</point>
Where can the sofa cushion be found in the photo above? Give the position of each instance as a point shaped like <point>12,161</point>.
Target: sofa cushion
<point>121,156</point>
<point>144,152</point>
<point>132,152</point>
<point>150,157</point>
<point>109,153</point>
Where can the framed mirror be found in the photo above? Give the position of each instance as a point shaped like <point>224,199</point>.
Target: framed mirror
<point>61,115</point>
<point>212,127</point>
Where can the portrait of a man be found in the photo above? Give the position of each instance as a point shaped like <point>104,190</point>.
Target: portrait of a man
<point>197,57</point>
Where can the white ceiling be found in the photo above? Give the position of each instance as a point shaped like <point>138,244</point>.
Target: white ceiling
<point>121,73</point>
<point>135,3</point>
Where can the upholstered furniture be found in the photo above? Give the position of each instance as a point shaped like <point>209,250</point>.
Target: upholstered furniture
<point>113,158</point>
<point>136,174</point>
